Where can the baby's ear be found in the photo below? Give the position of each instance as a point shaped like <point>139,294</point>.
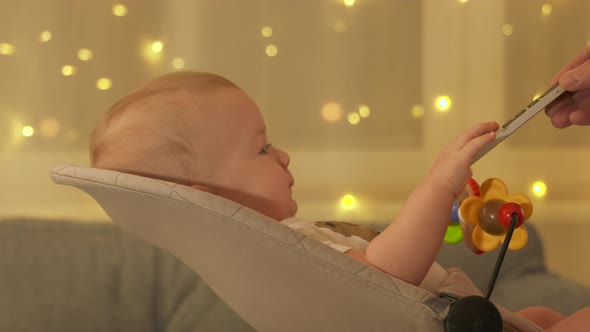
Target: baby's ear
<point>200,187</point>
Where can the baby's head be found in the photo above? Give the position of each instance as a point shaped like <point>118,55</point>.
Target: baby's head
<point>201,130</point>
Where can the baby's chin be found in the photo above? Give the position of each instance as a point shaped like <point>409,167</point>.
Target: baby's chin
<point>294,207</point>
<point>289,210</point>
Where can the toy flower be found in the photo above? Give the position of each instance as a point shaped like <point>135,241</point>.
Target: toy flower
<point>490,215</point>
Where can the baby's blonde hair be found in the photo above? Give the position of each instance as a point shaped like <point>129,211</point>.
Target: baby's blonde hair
<point>156,136</point>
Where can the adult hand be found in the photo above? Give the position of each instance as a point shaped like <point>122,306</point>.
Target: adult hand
<point>572,108</point>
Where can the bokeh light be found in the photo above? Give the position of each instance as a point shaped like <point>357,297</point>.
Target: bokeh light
<point>546,9</point>
<point>507,29</point>
<point>152,52</point>
<point>354,118</point>
<point>85,54</point>
<point>104,83</point>
<point>45,36</point>
<point>157,46</point>
<point>68,70</point>
<point>349,3</point>
<point>28,131</point>
<point>266,31</point>
<point>539,189</point>
<point>364,111</point>
<point>443,103</point>
<point>348,202</point>
<point>272,50</point>
<point>119,10</point>
<point>331,112</point>
<point>7,49</point>
<point>417,111</point>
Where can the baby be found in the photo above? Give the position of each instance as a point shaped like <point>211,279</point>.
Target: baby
<point>201,130</point>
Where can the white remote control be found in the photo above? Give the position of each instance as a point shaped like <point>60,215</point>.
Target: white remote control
<point>523,116</point>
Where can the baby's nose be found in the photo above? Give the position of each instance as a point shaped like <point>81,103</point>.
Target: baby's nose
<point>284,158</point>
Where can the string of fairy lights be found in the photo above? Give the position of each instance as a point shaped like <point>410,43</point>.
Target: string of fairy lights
<point>331,112</point>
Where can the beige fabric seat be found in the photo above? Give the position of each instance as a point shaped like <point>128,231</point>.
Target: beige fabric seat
<point>273,277</point>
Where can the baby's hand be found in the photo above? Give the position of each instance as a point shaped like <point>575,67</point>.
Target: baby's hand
<point>452,168</point>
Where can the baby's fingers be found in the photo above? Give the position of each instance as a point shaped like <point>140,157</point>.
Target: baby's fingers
<point>472,147</point>
<point>475,132</point>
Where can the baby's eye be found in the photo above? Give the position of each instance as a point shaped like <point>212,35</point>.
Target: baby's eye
<point>265,148</point>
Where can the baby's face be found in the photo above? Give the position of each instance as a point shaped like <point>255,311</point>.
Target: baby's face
<point>237,157</point>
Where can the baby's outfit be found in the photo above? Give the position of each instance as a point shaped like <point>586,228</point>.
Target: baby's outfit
<point>344,236</point>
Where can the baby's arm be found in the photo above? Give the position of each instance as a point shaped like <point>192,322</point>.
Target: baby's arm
<point>408,247</point>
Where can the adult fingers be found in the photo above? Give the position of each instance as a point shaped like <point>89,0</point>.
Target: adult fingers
<point>582,57</point>
<point>572,108</point>
<point>558,105</point>
<point>580,117</point>
<point>561,119</point>
<point>577,78</point>
<point>581,99</point>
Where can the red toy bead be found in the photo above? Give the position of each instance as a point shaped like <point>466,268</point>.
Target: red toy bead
<point>505,214</point>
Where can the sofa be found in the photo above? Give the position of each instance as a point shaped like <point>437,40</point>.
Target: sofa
<point>69,276</point>
<point>63,275</point>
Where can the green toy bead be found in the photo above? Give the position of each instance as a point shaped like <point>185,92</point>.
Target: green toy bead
<point>454,234</point>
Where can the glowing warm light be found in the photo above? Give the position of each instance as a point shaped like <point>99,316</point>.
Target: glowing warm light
<point>463,1</point>
<point>49,127</point>
<point>85,54</point>
<point>152,51</point>
<point>349,3</point>
<point>119,10</point>
<point>266,31</point>
<point>348,201</point>
<point>178,63</point>
<point>45,36</point>
<point>536,96</point>
<point>539,189</point>
<point>104,83</point>
<point>364,111</point>
<point>157,46</point>
<point>354,118</point>
<point>507,29</point>
<point>272,50</point>
<point>7,49</point>
<point>28,131</point>
<point>546,9</point>
<point>331,112</point>
<point>68,70</point>
<point>417,111</point>
<point>443,103</point>
<point>340,26</point>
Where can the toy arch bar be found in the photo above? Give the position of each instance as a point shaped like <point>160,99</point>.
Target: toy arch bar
<point>476,313</point>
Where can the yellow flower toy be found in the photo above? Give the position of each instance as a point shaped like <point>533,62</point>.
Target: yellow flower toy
<point>490,216</point>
